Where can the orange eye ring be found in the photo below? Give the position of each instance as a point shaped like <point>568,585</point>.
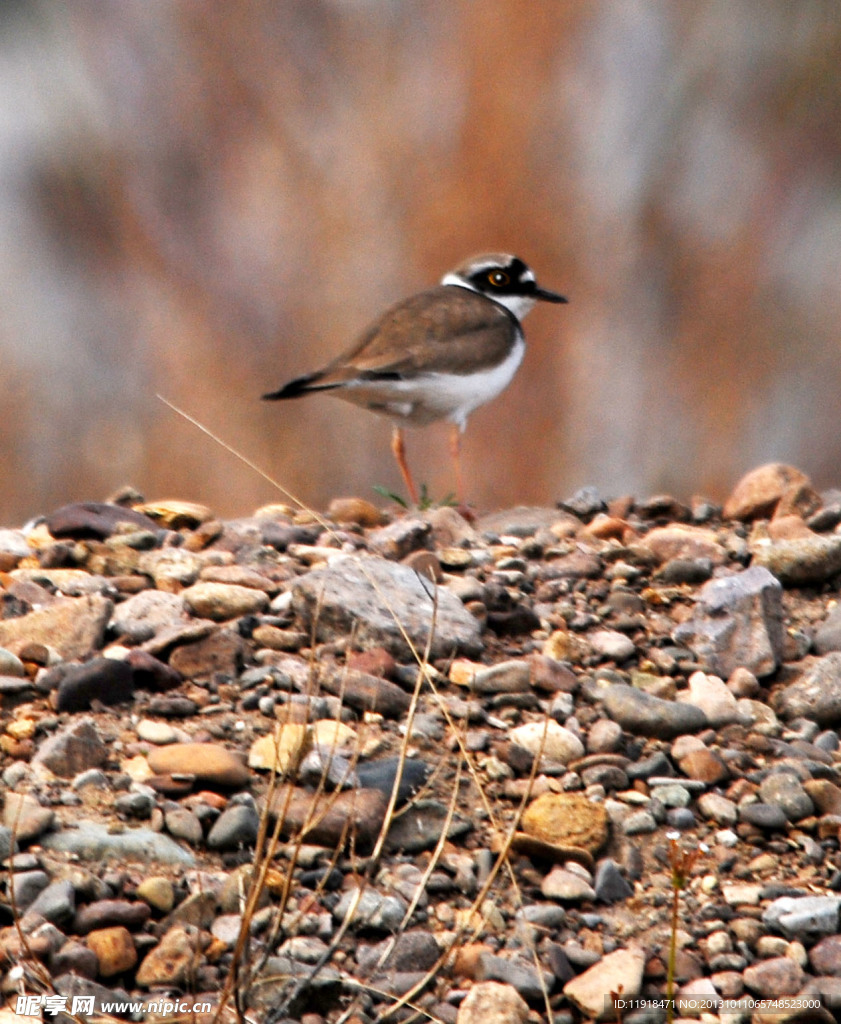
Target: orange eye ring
<point>498,278</point>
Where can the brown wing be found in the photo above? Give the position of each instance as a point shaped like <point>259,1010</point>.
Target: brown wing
<point>444,330</point>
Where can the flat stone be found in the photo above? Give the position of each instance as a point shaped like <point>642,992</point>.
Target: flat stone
<point>72,750</point>
<point>382,775</point>
<point>330,819</point>
<point>93,520</point>
<point>737,623</point>
<point>549,740</point>
<point>220,602</point>
<point>491,1002</point>
<point>74,627</point>
<point>816,695</point>
<point>504,677</point>
<point>612,645</point>
<point>409,950</point>
<point>778,976</point>
<point>107,913</point>
<point>420,825</point>
<point>93,842</point>
<point>366,692</point>
<point>801,561</point>
<point>767,816</point>
<point>620,971</point>
<point>803,917</point>
<point>26,817</point>
<point>115,951</point>
<point>376,601</point>
<point>521,976</point>
<point>210,763</point>
<point>642,714</point>
<point>566,820</point>
<point>561,884</point>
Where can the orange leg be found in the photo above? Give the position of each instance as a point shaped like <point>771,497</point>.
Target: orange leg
<point>455,451</point>
<point>398,447</point>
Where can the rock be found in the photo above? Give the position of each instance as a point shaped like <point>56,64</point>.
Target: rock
<point>611,645</point>
<point>369,908</point>
<point>490,1002</point>
<point>74,627</point>
<point>828,633</point>
<point>170,963</point>
<point>114,949</point>
<point>566,820</point>
<point>183,824</point>
<point>769,979</point>
<point>27,886</point>
<point>236,826</point>
<point>142,615</point>
<point>355,510</point>
<point>802,561</point>
<point>604,737</point>
<point>825,795</point>
<point>280,751</point>
<point>218,653</point>
<point>210,763</point>
<point>784,790</point>
<point>420,825</point>
<point>548,740</point>
<point>23,814</point>
<point>400,538</point>
<point>759,492</point>
<point>642,714</point>
<point>72,750</point>
<point>102,679</point>
<point>719,809</point>
<point>56,903</point>
<point>521,976</point>
<point>711,695</point>
<point>737,623</point>
<point>223,601</point>
<point>561,884</point>
<point>681,541</point>
<point>504,677</point>
<point>412,950</point>
<point>382,775</point>
<point>767,816</point>
<point>825,956</point>
<point>91,841</point>
<point>159,733</point>
<point>330,819</point>
<point>704,765</point>
<point>107,913</point>
<point>803,917</point>
<point>157,892</point>
<point>620,971</point>
<point>816,695</point>
<point>93,520</point>
<point>368,693</point>
<point>609,883</point>
<point>368,597</point>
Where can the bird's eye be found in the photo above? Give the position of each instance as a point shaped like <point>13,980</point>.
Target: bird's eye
<point>498,278</point>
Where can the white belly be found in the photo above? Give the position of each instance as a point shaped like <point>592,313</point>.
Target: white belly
<point>435,396</point>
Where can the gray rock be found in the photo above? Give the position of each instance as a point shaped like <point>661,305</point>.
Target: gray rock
<point>371,909</point>
<point>610,884</point>
<point>419,827</point>
<point>737,623</point>
<point>768,816</point>
<point>802,560</point>
<point>816,695</point>
<point>236,826</point>
<point>642,714</point>
<point>376,601</point>
<point>92,841</point>
<point>520,976</point>
<point>803,917</point>
<point>183,824</point>
<point>56,903</point>
<point>72,750</point>
<point>411,951</point>
<point>784,790</point>
<point>828,634</point>
<point>26,887</point>
<point>492,1002</point>
<point>142,615</point>
<point>504,677</point>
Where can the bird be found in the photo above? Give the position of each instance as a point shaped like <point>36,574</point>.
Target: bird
<point>437,355</point>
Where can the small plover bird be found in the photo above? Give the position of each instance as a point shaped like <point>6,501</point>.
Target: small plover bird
<point>437,355</point>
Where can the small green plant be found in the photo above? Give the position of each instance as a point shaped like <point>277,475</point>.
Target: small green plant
<point>426,501</point>
<point>681,862</point>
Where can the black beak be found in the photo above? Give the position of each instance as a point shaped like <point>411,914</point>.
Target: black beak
<point>547,296</point>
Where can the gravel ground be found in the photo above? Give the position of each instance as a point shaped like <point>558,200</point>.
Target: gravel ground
<point>623,695</point>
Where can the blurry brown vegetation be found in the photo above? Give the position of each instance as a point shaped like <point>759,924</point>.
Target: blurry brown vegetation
<point>203,199</point>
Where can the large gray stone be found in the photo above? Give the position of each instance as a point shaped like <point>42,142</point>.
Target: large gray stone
<point>91,841</point>
<point>643,714</point>
<point>803,917</point>
<point>816,695</point>
<point>72,626</point>
<point>737,623</point>
<point>380,604</point>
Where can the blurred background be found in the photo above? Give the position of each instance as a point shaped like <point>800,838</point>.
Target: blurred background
<point>204,199</point>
